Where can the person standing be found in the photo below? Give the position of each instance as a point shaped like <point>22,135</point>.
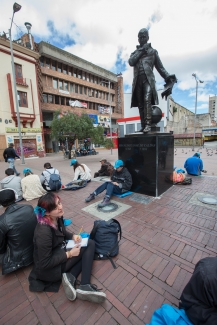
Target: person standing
<point>194,165</point>
<point>10,155</point>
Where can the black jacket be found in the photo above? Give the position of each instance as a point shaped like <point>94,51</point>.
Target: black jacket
<point>9,153</point>
<point>123,178</point>
<point>104,170</point>
<point>17,225</point>
<point>199,298</point>
<point>49,256</point>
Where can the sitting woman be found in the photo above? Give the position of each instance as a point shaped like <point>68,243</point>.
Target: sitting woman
<point>81,171</point>
<point>31,185</point>
<point>52,262</point>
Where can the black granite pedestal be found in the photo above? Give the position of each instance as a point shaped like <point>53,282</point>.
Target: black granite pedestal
<point>150,160</point>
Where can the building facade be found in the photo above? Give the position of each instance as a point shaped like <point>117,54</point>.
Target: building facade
<point>67,82</point>
<point>25,61</point>
<point>213,108</point>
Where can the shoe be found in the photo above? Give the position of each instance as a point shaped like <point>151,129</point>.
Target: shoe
<point>91,293</point>
<point>147,129</point>
<point>68,281</point>
<point>106,201</point>
<point>90,197</point>
<point>67,222</point>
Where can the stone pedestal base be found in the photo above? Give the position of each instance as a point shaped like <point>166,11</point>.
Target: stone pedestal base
<point>150,159</point>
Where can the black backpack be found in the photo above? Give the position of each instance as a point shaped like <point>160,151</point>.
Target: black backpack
<point>105,235</point>
<point>54,181</point>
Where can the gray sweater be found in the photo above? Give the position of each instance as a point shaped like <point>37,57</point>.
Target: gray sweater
<point>13,182</point>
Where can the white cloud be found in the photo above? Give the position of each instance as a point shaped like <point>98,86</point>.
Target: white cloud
<point>183,32</point>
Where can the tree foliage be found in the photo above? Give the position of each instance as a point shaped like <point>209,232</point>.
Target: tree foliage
<point>75,126</point>
<point>108,143</point>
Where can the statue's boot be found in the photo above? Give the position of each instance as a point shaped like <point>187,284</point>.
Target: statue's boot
<point>147,127</point>
<point>142,119</point>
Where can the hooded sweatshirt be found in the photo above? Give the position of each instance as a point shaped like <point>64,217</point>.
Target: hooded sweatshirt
<point>13,182</point>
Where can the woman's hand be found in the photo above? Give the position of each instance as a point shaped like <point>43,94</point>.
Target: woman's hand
<point>76,238</point>
<point>75,251</point>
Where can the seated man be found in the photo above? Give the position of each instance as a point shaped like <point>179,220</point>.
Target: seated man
<point>194,165</point>
<point>45,175</point>
<point>17,225</point>
<point>104,169</point>
<point>121,181</point>
<point>199,297</point>
<point>13,182</point>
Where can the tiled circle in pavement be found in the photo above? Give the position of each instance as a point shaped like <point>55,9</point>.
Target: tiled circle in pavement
<point>207,200</point>
<point>108,208</point>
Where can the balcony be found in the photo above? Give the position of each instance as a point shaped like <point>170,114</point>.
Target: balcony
<point>21,82</point>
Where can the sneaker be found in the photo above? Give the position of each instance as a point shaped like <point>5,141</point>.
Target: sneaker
<point>68,281</point>
<point>90,197</point>
<point>91,293</point>
<point>106,201</point>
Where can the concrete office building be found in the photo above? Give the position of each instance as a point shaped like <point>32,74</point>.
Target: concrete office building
<point>213,108</point>
<point>65,80</point>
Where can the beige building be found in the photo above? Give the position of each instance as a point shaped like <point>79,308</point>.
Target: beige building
<point>25,61</point>
<point>213,108</point>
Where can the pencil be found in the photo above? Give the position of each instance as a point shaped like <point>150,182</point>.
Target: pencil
<point>80,231</point>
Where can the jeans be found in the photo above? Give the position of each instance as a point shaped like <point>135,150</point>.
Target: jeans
<point>11,162</point>
<point>109,187</point>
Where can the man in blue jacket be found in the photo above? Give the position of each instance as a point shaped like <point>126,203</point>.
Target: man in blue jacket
<point>194,165</point>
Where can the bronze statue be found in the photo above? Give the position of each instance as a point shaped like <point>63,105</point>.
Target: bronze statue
<point>144,93</point>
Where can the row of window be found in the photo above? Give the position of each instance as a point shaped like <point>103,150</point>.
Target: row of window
<point>61,100</point>
<point>79,89</point>
<point>72,71</point>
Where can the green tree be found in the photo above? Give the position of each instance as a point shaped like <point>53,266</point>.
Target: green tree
<point>75,126</point>
<point>108,143</point>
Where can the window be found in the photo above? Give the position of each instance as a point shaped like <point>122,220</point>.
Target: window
<point>92,92</point>
<point>50,99</point>
<point>47,63</point>
<point>87,77</point>
<point>60,84</point>
<point>44,98</point>
<point>85,90</point>
<point>79,74</point>
<point>96,80</point>
<point>70,71</point>
<point>84,76</point>
<point>53,65</point>
<point>76,88</point>
<point>71,87</point>
<point>57,100</point>
<point>64,69</point>
<point>55,83</point>
<point>91,78</point>
<point>75,73</point>
<point>106,96</point>
<point>66,86</point>
<point>89,92</point>
<point>62,99</point>
<point>96,93</point>
<point>42,61</point>
<point>22,99</point>
<point>59,67</point>
<point>18,71</point>
<point>80,87</point>
<point>99,94</point>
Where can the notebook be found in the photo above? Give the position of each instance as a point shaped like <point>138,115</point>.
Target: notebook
<point>71,243</point>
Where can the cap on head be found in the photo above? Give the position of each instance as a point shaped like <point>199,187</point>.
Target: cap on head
<point>7,197</point>
<point>103,159</point>
<point>118,163</point>
<point>27,170</point>
<point>73,162</point>
<point>197,154</point>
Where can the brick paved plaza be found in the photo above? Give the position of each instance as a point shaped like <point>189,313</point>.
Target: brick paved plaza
<point>161,243</point>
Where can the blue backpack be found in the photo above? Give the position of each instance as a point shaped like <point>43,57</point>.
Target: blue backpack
<point>105,235</point>
<point>54,181</point>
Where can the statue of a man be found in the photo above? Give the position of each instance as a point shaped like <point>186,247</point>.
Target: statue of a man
<point>144,93</point>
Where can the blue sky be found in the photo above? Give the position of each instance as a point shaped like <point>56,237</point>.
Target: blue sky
<point>104,32</point>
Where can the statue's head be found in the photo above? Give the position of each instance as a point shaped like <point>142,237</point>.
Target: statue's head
<point>143,36</point>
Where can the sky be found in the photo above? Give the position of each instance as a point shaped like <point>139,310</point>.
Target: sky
<point>105,32</point>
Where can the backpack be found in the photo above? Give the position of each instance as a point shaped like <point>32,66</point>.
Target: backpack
<point>105,235</point>
<point>110,169</point>
<point>54,181</point>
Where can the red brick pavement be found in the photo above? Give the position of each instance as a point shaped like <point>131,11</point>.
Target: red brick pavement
<point>162,242</point>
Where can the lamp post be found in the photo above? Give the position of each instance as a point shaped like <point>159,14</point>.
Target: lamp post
<point>197,80</point>
<point>16,8</point>
<point>110,110</point>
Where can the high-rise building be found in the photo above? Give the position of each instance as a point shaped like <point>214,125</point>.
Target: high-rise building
<point>213,107</point>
